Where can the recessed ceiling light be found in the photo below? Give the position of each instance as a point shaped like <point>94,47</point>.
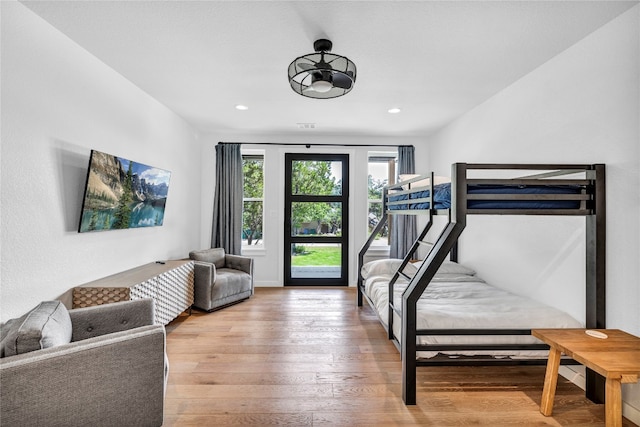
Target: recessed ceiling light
<point>241,107</point>
<point>394,110</point>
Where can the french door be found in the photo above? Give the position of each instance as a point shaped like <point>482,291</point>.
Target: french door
<point>316,225</point>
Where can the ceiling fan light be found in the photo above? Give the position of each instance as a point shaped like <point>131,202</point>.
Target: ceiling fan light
<point>321,86</point>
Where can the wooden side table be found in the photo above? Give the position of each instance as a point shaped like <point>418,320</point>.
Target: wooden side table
<point>616,358</point>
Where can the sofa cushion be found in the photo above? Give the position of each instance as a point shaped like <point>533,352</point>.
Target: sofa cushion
<point>214,256</point>
<point>47,325</point>
<point>230,282</point>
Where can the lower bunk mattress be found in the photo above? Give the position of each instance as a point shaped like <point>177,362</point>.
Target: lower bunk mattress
<point>457,299</point>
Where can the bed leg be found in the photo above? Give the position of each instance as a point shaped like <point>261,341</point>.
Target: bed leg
<point>409,381</point>
<point>595,386</point>
<point>409,352</point>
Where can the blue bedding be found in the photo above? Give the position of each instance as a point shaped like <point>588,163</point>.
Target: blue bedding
<point>442,197</point>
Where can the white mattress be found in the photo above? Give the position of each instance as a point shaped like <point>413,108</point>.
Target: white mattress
<point>458,300</point>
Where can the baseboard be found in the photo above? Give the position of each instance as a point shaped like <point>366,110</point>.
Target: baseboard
<point>276,284</point>
<point>575,374</point>
<point>267,284</point>
<point>631,413</point>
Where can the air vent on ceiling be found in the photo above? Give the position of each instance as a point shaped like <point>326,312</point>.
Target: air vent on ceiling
<point>306,125</point>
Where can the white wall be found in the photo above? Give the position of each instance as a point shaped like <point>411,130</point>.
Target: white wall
<point>582,106</point>
<point>58,103</point>
<point>269,263</point>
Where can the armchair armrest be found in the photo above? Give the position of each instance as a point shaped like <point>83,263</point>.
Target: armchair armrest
<point>105,319</point>
<point>204,280</point>
<point>123,372</point>
<point>238,262</point>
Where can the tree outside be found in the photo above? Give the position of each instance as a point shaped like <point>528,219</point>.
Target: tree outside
<point>315,178</point>
<point>308,178</point>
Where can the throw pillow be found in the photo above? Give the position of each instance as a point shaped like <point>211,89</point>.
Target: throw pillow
<point>47,325</point>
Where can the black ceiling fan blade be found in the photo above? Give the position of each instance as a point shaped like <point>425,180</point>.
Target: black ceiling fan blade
<point>342,81</point>
<point>305,66</point>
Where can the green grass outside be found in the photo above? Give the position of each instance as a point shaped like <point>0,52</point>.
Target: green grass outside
<point>317,255</point>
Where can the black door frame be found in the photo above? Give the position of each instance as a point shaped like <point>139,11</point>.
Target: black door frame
<point>343,239</point>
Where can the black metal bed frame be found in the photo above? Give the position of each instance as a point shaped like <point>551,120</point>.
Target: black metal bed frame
<point>591,205</point>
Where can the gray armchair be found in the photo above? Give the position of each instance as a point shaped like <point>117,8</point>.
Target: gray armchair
<point>94,366</point>
<point>221,279</point>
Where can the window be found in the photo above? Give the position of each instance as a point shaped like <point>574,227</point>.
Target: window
<point>252,197</point>
<point>381,171</point>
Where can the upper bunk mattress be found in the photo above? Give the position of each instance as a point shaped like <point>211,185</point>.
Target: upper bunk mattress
<point>458,299</point>
<point>442,197</point>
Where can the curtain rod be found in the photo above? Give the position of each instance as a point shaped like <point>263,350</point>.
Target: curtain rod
<point>315,145</point>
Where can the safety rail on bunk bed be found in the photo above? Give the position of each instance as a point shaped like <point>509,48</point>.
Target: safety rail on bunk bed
<point>399,189</point>
<point>589,202</point>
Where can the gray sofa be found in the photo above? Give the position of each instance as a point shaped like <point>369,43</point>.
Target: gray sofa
<point>95,366</point>
<point>221,279</point>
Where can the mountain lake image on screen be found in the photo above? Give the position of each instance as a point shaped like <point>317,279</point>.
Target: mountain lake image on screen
<point>120,193</point>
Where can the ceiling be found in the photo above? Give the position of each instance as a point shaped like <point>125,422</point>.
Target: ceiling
<point>433,59</point>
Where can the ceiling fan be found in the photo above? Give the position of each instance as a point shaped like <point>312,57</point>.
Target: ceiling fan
<point>322,74</point>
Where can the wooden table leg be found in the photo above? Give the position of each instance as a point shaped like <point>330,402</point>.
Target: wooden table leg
<point>613,403</point>
<point>550,382</point>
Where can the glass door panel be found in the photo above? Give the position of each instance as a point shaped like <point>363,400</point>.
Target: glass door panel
<point>316,260</point>
<point>322,219</point>
<point>316,177</point>
<point>316,203</point>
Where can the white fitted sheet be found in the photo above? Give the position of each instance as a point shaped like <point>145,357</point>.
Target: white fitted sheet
<point>463,301</point>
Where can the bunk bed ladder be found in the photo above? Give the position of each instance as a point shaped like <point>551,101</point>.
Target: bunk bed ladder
<point>442,247</point>
<point>400,271</point>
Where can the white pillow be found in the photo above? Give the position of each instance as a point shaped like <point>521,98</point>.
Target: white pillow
<point>386,267</point>
<point>423,182</point>
<point>450,267</point>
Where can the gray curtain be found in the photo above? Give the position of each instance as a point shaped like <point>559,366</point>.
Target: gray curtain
<point>226,231</point>
<point>404,231</point>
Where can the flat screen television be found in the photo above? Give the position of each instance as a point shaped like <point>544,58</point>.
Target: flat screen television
<point>120,193</point>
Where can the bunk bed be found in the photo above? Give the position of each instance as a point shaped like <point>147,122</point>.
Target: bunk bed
<point>402,292</point>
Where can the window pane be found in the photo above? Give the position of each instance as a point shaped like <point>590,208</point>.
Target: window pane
<point>375,215</point>
<point>316,178</point>
<point>316,218</point>
<point>378,178</point>
<point>253,177</point>
<point>252,213</point>
<point>381,166</point>
<point>317,260</point>
<point>252,223</point>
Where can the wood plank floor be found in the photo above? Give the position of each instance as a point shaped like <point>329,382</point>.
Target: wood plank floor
<point>311,357</point>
